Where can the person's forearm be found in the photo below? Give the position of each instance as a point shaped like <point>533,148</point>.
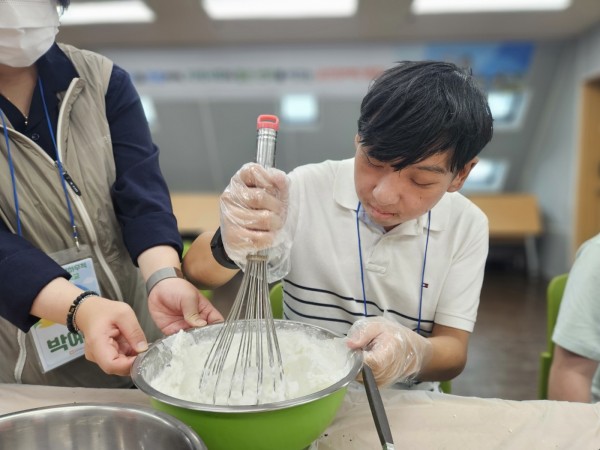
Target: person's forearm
<point>570,376</point>
<point>24,272</point>
<point>449,356</point>
<point>201,268</point>
<point>569,386</point>
<point>156,258</point>
<point>54,300</point>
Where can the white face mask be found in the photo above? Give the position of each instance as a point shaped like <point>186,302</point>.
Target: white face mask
<point>27,30</point>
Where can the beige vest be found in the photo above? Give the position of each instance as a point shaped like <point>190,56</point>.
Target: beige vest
<point>84,142</point>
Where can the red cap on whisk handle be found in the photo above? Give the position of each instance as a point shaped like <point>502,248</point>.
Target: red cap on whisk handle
<point>267,128</point>
<point>267,121</point>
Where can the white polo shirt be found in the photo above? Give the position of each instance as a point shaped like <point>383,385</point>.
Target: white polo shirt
<point>324,285</point>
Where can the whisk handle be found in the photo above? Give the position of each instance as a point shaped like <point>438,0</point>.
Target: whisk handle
<point>266,139</point>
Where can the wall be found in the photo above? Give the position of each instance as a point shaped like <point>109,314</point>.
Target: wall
<point>207,102</point>
<point>551,167</point>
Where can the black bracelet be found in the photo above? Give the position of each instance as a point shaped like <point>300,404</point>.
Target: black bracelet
<point>71,325</point>
<point>218,251</point>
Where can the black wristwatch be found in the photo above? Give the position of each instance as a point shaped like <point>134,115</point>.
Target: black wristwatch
<point>218,251</point>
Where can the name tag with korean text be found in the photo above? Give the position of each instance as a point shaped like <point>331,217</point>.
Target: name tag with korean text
<point>54,343</point>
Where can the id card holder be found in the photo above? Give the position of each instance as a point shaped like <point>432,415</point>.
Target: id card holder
<point>54,343</point>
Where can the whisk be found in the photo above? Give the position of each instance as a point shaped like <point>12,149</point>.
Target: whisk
<point>244,364</point>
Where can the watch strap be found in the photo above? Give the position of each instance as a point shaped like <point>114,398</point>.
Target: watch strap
<point>161,274</point>
<point>218,251</point>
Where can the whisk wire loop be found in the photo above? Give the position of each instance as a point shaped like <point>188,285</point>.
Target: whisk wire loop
<point>258,353</point>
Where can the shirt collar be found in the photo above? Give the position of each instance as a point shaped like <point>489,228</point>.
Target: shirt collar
<point>56,70</point>
<point>344,193</point>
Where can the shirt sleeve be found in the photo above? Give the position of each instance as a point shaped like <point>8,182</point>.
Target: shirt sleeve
<point>140,195</point>
<point>459,300</point>
<point>24,271</point>
<point>577,327</point>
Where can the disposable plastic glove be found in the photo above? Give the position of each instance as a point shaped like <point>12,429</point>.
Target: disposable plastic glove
<point>254,209</point>
<point>394,353</point>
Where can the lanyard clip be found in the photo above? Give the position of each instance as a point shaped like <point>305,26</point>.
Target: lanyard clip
<point>76,237</point>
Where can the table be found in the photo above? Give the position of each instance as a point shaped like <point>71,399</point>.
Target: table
<point>514,217</point>
<point>418,419</point>
<point>195,212</point>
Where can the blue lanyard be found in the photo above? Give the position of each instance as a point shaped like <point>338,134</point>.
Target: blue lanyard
<point>12,173</point>
<point>362,274</point>
<point>58,164</point>
<point>360,259</point>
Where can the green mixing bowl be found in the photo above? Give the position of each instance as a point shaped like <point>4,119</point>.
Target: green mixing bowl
<point>287,425</point>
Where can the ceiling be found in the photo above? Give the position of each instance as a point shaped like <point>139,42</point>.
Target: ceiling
<point>184,23</point>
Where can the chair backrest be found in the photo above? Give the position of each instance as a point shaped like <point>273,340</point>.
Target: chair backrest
<point>554,294</point>
<point>276,297</point>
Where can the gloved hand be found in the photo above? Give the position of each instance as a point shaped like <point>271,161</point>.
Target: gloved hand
<point>394,353</point>
<point>254,209</point>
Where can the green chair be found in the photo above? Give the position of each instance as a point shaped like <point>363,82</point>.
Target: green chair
<point>208,293</point>
<point>187,243</point>
<point>446,386</point>
<point>276,294</point>
<point>276,297</point>
<point>554,294</point>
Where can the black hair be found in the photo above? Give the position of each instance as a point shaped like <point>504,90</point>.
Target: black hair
<point>64,3</point>
<point>417,109</point>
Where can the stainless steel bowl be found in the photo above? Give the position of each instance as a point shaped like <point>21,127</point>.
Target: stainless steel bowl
<point>96,426</point>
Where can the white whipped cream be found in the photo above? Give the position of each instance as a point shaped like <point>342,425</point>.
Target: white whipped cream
<point>310,364</point>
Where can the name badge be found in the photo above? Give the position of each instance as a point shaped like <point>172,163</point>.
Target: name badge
<point>55,345</point>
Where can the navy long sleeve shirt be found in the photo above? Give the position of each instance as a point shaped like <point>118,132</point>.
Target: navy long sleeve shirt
<point>140,196</point>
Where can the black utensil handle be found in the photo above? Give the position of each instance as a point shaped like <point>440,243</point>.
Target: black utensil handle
<point>377,409</point>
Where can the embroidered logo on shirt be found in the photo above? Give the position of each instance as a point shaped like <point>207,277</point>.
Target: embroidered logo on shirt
<point>425,285</point>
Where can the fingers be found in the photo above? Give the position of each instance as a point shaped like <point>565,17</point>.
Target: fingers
<point>190,312</point>
<point>254,209</point>
<point>207,310</point>
<point>393,351</point>
<point>120,365</point>
<point>112,356</point>
<point>247,205</point>
<point>384,374</point>
<point>176,304</point>
<point>200,312</point>
<point>271,180</point>
<point>362,336</point>
<point>257,188</point>
<point>378,349</point>
<point>253,219</point>
<point>113,341</point>
<point>134,335</point>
